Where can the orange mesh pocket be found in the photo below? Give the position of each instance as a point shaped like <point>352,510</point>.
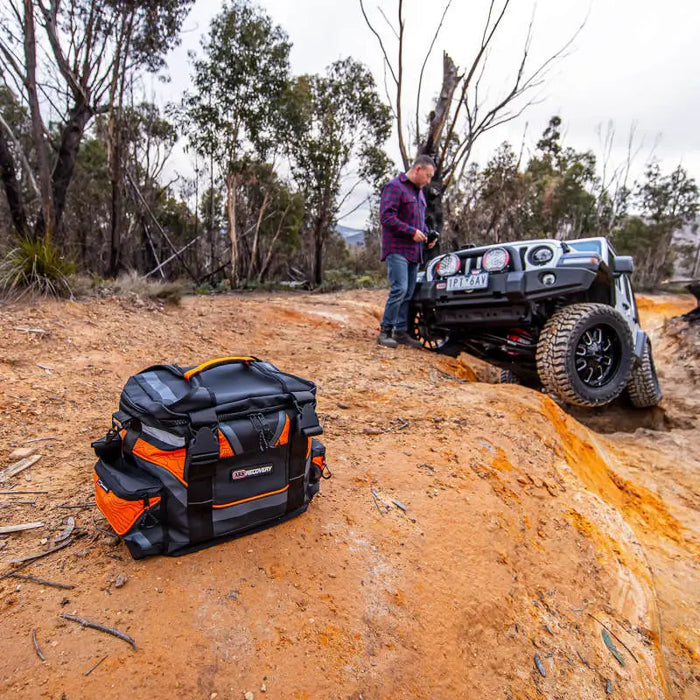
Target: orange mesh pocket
<point>171,460</point>
<point>120,513</point>
<point>224,447</point>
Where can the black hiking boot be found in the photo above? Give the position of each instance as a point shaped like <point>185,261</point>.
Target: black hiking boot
<point>403,338</point>
<point>384,338</point>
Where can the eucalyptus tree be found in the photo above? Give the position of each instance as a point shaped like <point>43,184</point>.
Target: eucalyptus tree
<point>232,114</point>
<point>338,129</point>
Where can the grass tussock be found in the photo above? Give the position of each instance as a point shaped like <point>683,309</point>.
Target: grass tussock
<point>35,268</point>
<point>131,286</point>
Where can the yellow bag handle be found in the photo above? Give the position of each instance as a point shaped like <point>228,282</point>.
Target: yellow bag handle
<point>219,361</point>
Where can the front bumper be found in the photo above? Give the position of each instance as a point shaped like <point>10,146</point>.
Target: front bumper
<point>505,300</point>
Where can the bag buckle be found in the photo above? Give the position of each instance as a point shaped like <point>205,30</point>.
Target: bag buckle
<point>204,447</point>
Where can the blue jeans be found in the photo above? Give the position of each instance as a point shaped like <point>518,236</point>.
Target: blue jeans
<point>402,280</point>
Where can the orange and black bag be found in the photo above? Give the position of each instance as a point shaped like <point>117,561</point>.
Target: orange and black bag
<point>199,455</point>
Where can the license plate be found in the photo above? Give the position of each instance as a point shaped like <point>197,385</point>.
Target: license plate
<point>462,282</point>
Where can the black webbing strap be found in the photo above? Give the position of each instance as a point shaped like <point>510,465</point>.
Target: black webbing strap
<point>202,458</point>
<point>297,470</point>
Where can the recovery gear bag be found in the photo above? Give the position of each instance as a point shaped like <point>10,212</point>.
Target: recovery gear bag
<point>199,455</point>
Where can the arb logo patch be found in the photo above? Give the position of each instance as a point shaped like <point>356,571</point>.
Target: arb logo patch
<point>253,471</point>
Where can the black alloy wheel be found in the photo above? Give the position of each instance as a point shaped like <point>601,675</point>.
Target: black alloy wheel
<point>431,339</point>
<point>597,355</point>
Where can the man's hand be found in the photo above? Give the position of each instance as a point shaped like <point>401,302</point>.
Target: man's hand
<point>419,237</point>
<point>432,243</point>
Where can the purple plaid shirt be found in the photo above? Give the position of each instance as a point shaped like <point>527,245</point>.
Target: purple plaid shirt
<point>402,211</point>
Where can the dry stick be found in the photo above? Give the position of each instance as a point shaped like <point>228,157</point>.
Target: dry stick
<point>376,501</point>
<point>36,646</point>
<point>614,635</point>
<point>19,528</point>
<point>14,493</point>
<point>32,557</point>
<point>100,628</point>
<point>80,505</point>
<point>92,668</point>
<point>70,526</point>
<point>41,439</point>
<point>43,582</point>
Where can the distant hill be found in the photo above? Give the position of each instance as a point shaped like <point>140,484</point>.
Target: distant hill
<point>354,237</point>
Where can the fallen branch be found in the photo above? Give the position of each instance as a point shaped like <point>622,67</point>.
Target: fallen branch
<point>36,646</point>
<point>28,330</point>
<point>376,501</point>
<point>18,467</point>
<point>79,505</point>
<point>23,493</point>
<point>92,668</point>
<point>70,526</point>
<point>19,528</point>
<point>32,557</point>
<point>404,423</point>
<point>41,439</point>
<point>43,582</point>
<point>100,628</point>
<point>614,635</point>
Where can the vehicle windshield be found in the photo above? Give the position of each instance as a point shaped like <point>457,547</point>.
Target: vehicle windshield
<point>585,246</point>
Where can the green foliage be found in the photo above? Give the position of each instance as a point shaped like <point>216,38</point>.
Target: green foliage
<point>334,120</point>
<point>561,180</point>
<point>238,85</point>
<point>666,203</point>
<point>36,268</point>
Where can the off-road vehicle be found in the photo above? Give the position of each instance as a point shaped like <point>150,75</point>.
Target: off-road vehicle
<point>556,315</point>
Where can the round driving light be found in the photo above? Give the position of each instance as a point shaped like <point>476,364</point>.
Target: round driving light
<point>540,255</point>
<point>495,260</point>
<point>549,279</point>
<point>448,265</point>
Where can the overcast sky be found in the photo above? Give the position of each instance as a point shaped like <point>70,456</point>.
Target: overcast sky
<point>635,62</point>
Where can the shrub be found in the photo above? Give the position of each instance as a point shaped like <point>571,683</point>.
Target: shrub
<point>35,267</point>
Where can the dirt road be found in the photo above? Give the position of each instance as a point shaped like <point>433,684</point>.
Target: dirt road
<point>525,535</point>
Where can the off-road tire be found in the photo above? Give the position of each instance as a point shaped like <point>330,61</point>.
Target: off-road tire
<point>508,377</point>
<point>422,333</point>
<point>557,353</point>
<point>643,386</point>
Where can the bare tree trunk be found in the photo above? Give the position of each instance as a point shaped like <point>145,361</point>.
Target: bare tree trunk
<point>13,190</point>
<point>231,184</point>
<point>439,115</point>
<point>45,222</point>
<point>253,262</point>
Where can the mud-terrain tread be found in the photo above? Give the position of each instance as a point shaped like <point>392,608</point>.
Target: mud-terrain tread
<point>552,349</point>
<point>643,386</point>
<point>508,377</point>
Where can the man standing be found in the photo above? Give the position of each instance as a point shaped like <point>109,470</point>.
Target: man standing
<point>402,214</point>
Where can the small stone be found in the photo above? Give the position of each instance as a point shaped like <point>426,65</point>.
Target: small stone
<point>120,581</point>
<point>27,478</point>
<point>332,576</point>
<point>263,688</point>
<point>372,431</point>
<point>18,588</point>
<point>340,404</point>
<point>213,695</point>
<point>249,696</point>
<point>23,452</point>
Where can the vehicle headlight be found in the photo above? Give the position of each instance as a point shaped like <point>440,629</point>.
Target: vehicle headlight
<point>495,260</point>
<point>448,265</point>
<point>540,255</point>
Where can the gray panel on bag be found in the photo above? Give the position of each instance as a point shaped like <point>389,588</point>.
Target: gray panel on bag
<point>223,514</point>
<point>159,386</point>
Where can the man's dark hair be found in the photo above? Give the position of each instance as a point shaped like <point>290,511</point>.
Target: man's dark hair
<point>423,161</point>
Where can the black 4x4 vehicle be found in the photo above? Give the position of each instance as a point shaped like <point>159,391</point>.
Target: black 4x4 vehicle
<point>559,315</point>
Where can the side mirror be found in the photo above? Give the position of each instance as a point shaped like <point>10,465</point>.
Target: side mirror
<point>623,263</point>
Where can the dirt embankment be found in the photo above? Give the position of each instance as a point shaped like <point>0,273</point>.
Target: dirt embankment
<point>526,534</point>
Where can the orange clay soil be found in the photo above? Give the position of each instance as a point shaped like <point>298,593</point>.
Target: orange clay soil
<point>524,532</point>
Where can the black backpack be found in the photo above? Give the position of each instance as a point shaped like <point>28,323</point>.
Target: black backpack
<point>200,455</point>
